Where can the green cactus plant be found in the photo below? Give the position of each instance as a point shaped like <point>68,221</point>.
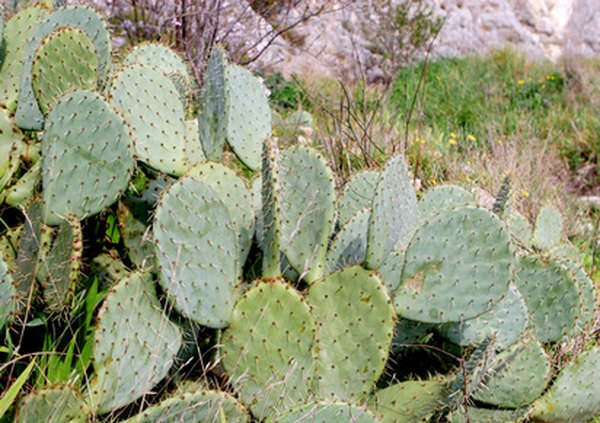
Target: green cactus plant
<point>60,404</point>
<point>8,293</point>
<point>547,231</point>
<point>87,157</point>
<point>357,194</point>
<point>442,198</point>
<point>314,412</point>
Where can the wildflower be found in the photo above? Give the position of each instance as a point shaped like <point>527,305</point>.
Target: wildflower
<point>471,138</point>
<point>423,141</point>
<point>525,194</point>
<point>432,181</point>
<point>543,86</point>
<point>500,142</point>
<point>451,141</point>
<point>521,81</point>
<point>453,134</point>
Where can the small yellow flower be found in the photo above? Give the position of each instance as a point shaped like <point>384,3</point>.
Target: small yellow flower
<point>543,86</point>
<point>471,138</point>
<point>521,81</point>
<point>549,77</point>
<point>453,134</point>
<point>525,194</point>
<point>432,181</point>
<point>451,141</point>
<point>468,162</point>
<point>423,141</point>
<point>500,142</point>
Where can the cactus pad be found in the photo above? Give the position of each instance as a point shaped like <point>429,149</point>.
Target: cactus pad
<point>267,205</point>
<point>84,18</point>
<point>518,376</point>
<point>65,61</point>
<point>323,412</point>
<point>59,404</point>
<point>212,120</point>
<point>155,115</point>
<point>306,210</point>
<point>7,293</point>
<point>350,244</point>
<point>547,231</point>
<point>202,406</point>
<point>248,115</point>
<point>407,402</point>
<point>234,194</point>
<point>519,227</point>
<point>587,294</point>
<point>551,295</point>
<point>575,394</point>
<point>391,270</point>
<point>267,348</point>
<point>197,252</point>
<point>134,344</point>
<point>442,198</point>
<point>18,32</point>
<point>506,322</point>
<point>395,213</point>
<point>11,145</point>
<point>355,324</point>
<point>357,194</point>
<point>457,265</point>
<point>193,148</point>
<point>87,157</point>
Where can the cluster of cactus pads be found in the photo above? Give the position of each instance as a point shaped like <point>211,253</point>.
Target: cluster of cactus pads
<point>303,298</point>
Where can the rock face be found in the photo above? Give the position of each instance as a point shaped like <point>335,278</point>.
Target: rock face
<point>332,43</point>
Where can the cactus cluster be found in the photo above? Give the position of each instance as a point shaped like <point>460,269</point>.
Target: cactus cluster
<point>297,299</point>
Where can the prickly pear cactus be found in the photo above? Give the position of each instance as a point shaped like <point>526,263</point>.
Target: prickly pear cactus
<point>268,224</point>
<point>12,144</point>
<point>7,293</point>
<point>457,266</point>
<point>29,115</point>
<point>349,246</point>
<point>355,324</point>
<point>155,116</point>
<point>65,61</point>
<point>551,295</point>
<point>248,115</point>
<point>267,349</point>
<point>575,394</point>
<point>317,412</point>
<point>197,252</point>
<point>202,406</point>
<point>517,375</point>
<point>357,195</point>
<point>212,119</point>
<point>134,344</point>
<point>442,198</point>
<point>547,231</point>
<point>395,213</point>
<point>18,32</point>
<point>234,194</point>
<point>59,404</point>
<point>87,157</point>
<point>410,401</point>
<point>505,322</point>
<point>519,227</point>
<point>307,208</point>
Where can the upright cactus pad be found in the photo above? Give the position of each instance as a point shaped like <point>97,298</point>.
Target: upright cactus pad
<point>267,349</point>
<point>18,32</point>
<point>547,231</point>
<point>248,115</point>
<point>212,119</point>
<point>268,223</point>
<point>202,406</point>
<point>193,148</point>
<point>457,266</point>
<point>395,214</point>
<point>587,294</point>
<point>29,115</point>
<point>519,227</point>
<point>59,273</point>
<point>355,324</point>
<point>197,252</point>
<point>408,402</point>
<point>518,375</point>
<point>234,194</point>
<point>575,394</point>
<point>7,293</point>
<point>306,212</point>
<point>58,404</point>
<point>11,145</point>
<point>357,194</point>
<point>165,60</point>
<point>322,412</point>
<point>65,61</point>
<point>87,157</point>
<point>155,115</point>
<point>442,198</point>
<point>134,344</point>
<point>551,295</point>
<point>505,322</point>
<point>349,246</point>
